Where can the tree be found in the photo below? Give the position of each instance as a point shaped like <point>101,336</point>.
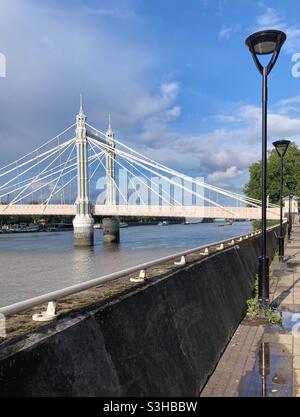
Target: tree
<point>291,173</point>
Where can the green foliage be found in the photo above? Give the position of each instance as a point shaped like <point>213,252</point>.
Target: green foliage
<point>291,173</point>
<point>256,224</point>
<point>252,308</point>
<point>271,315</point>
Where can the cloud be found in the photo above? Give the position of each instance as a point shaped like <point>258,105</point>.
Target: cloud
<point>289,106</point>
<point>224,153</point>
<point>226,118</point>
<point>56,55</point>
<point>155,113</point>
<point>289,101</point>
<point>271,18</point>
<point>174,112</point>
<point>112,12</point>
<point>149,105</point>
<point>229,173</point>
<point>227,31</point>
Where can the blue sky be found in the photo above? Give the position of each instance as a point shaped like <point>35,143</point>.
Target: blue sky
<point>175,75</point>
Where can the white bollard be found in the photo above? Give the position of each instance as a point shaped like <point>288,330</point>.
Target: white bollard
<point>181,262</point>
<point>141,277</point>
<point>221,247</point>
<point>206,252</point>
<point>49,314</point>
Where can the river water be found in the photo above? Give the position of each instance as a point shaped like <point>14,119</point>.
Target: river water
<point>36,263</point>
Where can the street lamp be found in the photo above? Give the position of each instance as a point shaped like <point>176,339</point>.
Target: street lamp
<point>281,147</point>
<point>264,43</point>
<point>290,186</point>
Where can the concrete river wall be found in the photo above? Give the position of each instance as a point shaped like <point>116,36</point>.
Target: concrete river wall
<point>163,338</point>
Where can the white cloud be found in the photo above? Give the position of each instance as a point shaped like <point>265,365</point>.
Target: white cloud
<point>229,173</point>
<point>155,114</point>
<point>112,12</point>
<point>174,112</point>
<point>150,105</point>
<point>269,18</point>
<point>289,101</point>
<point>226,118</point>
<point>224,154</point>
<point>170,90</point>
<point>272,18</point>
<point>227,31</point>
<point>61,54</point>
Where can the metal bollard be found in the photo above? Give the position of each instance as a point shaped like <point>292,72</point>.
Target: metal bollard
<point>181,262</point>
<point>206,252</point>
<point>141,277</point>
<point>49,314</point>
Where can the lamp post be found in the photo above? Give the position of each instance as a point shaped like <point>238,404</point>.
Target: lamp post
<point>290,186</point>
<point>281,147</point>
<point>266,42</point>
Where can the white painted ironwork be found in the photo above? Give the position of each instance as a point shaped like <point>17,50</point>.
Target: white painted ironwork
<point>48,171</point>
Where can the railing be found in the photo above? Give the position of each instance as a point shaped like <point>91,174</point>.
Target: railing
<point>54,296</point>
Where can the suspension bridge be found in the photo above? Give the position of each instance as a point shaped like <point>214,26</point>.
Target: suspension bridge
<point>92,173</point>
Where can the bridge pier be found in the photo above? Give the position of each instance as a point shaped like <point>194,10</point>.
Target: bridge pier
<point>83,222</point>
<point>83,230</point>
<point>111,229</point>
<point>111,225</point>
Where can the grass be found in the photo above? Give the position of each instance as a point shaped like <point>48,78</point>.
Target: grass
<point>270,314</point>
<point>256,224</point>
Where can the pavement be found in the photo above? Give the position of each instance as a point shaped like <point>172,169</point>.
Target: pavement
<point>263,360</point>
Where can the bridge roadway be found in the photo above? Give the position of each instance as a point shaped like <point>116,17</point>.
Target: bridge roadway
<point>252,213</point>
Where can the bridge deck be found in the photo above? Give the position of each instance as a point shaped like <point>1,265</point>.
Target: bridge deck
<point>141,211</point>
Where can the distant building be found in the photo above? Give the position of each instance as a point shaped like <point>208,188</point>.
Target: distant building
<point>294,205</point>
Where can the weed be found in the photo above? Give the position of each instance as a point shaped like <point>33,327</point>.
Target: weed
<point>270,314</point>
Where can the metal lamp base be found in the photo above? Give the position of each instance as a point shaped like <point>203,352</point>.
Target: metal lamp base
<point>263,281</point>
<point>281,248</point>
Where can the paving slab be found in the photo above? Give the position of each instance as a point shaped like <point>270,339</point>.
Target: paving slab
<point>263,360</point>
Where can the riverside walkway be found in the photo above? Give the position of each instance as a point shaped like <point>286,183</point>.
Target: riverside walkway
<point>263,360</point>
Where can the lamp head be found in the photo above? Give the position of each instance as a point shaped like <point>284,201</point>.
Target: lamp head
<point>281,146</point>
<point>266,41</point>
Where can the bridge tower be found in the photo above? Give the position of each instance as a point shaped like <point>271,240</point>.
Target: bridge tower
<point>110,167</point>
<point>83,222</point>
<point>111,225</point>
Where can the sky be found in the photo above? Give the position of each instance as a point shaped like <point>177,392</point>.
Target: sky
<point>175,75</point>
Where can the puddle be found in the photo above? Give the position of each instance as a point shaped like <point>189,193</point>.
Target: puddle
<point>293,262</point>
<point>291,321</point>
<point>272,374</point>
<point>280,273</point>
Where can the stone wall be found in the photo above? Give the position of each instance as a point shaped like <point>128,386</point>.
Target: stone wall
<point>161,339</point>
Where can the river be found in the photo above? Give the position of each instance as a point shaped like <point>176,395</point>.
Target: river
<point>36,263</point>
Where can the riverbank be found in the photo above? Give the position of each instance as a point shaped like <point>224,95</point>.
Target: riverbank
<point>52,262</point>
<point>162,337</point>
